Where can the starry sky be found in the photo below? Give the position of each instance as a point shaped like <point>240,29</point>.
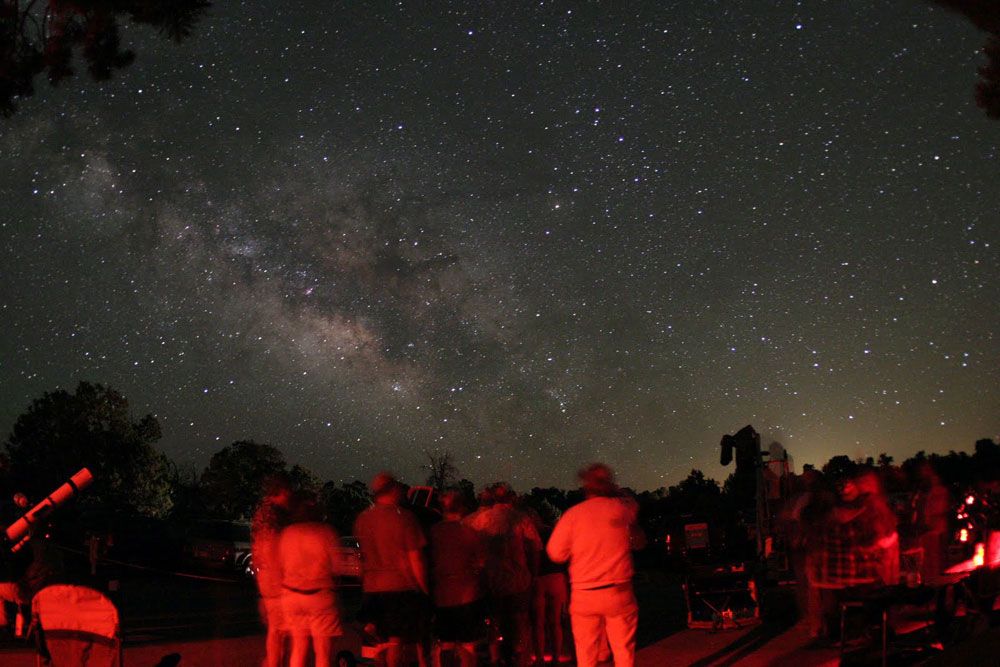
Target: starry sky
<point>532,235</point>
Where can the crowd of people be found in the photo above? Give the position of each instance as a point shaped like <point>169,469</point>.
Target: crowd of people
<point>846,535</point>
<point>494,579</point>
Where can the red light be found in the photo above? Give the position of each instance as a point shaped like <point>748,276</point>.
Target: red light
<point>969,500</point>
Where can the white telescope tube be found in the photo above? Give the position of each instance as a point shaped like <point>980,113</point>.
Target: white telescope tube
<point>17,531</point>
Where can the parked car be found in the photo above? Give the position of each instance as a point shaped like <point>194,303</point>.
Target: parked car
<point>220,545</point>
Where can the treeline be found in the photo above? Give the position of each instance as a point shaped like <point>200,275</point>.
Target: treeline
<point>93,427</point>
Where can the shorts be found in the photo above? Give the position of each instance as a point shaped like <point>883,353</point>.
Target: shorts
<point>464,623</point>
<point>272,613</point>
<point>315,614</point>
<point>397,614</point>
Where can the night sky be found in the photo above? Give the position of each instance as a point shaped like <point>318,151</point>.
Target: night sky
<point>530,235</point>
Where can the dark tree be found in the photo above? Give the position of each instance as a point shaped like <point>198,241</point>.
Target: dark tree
<point>38,37</point>
<point>987,459</point>
<point>985,15</point>
<point>839,466</point>
<point>548,503</point>
<point>304,479</point>
<point>93,428</point>
<point>696,494</point>
<point>550,496</point>
<point>343,504</point>
<point>231,483</point>
<point>189,502</point>
<point>441,471</point>
<point>468,491</point>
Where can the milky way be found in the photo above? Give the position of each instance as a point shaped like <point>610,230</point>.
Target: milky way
<point>530,236</point>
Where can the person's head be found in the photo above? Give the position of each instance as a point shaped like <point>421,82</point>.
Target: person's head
<point>597,479</point>
<point>277,489</point>
<point>485,497</point>
<point>868,482</point>
<point>847,489</point>
<point>502,493</point>
<point>386,489</point>
<point>304,506</point>
<point>453,504</point>
<point>809,478</point>
<point>926,476</point>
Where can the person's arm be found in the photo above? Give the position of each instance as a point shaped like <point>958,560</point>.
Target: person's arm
<point>480,552</point>
<point>414,543</point>
<point>636,536</point>
<point>559,542</point>
<point>532,548</point>
<point>418,566</point>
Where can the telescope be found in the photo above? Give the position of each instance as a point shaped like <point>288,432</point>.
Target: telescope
<point>19,532</point>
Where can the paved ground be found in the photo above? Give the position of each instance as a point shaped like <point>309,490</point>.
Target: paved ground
<point>184,638</point>
<point>232,652</point>
<point>689,647</point>
<point>756,646</point>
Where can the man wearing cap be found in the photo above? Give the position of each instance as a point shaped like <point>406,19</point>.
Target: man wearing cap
<point>393,571</point>
<point>597,537</point>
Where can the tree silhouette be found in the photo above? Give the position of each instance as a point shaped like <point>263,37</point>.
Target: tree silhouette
<point>304,479</point>
<point>93,427</point>
<point>343,504</point>
<point>232,481</point>
<point>840,465</point>
<point>985,15</point>
<point>441,471</point>
<point>38,37</point>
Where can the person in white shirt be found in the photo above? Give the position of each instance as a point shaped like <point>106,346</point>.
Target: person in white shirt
<point>597,538</point>
<point>309,556</point>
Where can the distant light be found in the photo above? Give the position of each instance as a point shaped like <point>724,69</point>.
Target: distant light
<point>969,500</point>
<point>798,26</point>
<point>963,535</point>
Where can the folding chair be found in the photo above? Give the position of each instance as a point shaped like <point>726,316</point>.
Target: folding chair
<point>76,627</point>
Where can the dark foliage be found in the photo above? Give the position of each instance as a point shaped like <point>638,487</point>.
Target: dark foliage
<point>93,427</point>
<point>231,484</point>
<point>985,15</point>
<point>343,504</point>
<point>37,37</point>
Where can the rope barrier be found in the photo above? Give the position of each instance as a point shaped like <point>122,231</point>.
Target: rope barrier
<point>183,575</point>
<point>147,568</point>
